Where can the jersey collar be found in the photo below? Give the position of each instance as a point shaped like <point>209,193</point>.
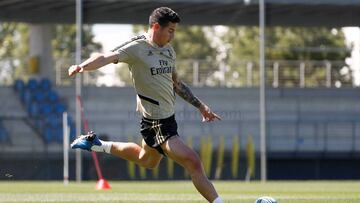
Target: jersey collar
<point>147,36</point>
<point>165,50</point>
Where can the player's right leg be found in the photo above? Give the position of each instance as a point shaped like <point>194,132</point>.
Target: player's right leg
<point>186,157</point>
<point>143,155</point>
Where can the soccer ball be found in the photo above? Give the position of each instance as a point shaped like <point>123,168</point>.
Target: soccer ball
<point>265,200</point>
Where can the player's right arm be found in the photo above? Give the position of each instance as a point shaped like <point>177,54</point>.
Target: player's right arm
<point>96,61</point>
<point>184,91</point>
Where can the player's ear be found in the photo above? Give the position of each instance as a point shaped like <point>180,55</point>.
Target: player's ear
<point>155,26</point>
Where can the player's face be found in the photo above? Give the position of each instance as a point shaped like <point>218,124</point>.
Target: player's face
<point>166,34</point>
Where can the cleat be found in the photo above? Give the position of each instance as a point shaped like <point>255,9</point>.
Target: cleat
<point>86,142</point>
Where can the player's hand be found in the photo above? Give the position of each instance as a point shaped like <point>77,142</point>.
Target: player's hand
<point>207,114</point>
<point>74,69</point>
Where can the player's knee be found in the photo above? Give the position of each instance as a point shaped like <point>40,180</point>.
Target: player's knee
<point>151,165</point>
<point>193,163</point>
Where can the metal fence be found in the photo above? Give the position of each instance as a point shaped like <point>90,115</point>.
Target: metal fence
<point>202,73</point>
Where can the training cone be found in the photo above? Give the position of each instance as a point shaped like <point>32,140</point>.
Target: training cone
<point>102,184</point>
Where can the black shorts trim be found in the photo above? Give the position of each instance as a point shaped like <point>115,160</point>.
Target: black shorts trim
<point>149,99</point>
<point>156,132</point>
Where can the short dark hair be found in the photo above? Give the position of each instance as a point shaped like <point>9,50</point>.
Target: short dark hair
<point>163,15</point>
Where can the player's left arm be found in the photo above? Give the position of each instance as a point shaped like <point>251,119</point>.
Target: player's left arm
<point>184,92</point>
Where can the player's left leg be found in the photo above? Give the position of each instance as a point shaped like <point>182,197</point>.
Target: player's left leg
<point>145,156</point>
<point>186,157</point>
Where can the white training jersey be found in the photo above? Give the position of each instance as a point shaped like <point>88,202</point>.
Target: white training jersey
<point>151,70</point>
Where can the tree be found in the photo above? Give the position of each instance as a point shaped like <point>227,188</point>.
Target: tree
<point>14,47</point>
<point>194,50</point>
<point>64,47</point>
<point>288,43</point>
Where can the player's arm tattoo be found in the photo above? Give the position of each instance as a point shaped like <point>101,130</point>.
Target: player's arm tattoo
<point>184,91</point>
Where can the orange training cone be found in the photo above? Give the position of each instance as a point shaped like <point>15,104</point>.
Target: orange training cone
<point>102,184</point>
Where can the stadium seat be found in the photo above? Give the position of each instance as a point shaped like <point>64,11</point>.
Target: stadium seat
<point>26,96</point>
<point>32,84</point>
<point>40,96</point>
<point>46,109</point>
<point>19,85</point>
<point>59,108</point>
<point>54,121</point>
<point>4,136</point>
<point>52,96</point>
<point>48,134</point>
<point>45,84</point>
<point>43,104</point>
<point>72,126</point>
<point>33,109</point>
<point>58,134</point>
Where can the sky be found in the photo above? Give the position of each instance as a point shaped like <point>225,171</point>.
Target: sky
<point>112,35</point>
<point>352,35</point>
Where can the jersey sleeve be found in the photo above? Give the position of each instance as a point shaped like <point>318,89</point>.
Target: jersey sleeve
<point>126,51</point>
<point>124,54</point>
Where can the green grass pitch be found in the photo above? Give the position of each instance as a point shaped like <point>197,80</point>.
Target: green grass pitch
<point>181,191</point>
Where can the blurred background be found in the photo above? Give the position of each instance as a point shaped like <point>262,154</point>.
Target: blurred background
<point>312,76</point>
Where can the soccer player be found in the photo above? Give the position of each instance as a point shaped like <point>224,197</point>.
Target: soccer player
<point>151,61</point>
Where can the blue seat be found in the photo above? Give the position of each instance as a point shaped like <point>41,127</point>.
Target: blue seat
<point>48,135</point>
<point>40,96</point>
<point>52,96</point>
<point>72,126</point>
<point>32,84</point>
<point>58,135</point>
<point>33,109</point>
<point>4,136</point>
<point>46,109</point>
<point>54,121</point>
<point>45,84</point>
<point>1,134</point>
<point>43,105</point>
<point>59,108</point>
<point>26,96</point>
<point>19,85</point>
<point>53,134</point>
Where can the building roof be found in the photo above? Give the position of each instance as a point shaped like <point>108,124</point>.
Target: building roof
<point>332,13</point>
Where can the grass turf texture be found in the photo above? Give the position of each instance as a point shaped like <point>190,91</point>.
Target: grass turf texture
<point>181,191</point>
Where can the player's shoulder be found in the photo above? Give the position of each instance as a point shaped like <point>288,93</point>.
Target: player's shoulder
<point>138,39</point>
<point>134,41</point>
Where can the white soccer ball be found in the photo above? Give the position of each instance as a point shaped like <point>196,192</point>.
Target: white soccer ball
<point>265,200</point>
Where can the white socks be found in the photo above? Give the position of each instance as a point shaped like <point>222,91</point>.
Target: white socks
<point>217,200</point>
<point>104,147</point>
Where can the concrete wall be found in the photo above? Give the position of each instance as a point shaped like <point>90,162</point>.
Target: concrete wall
<point>299,120</point>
